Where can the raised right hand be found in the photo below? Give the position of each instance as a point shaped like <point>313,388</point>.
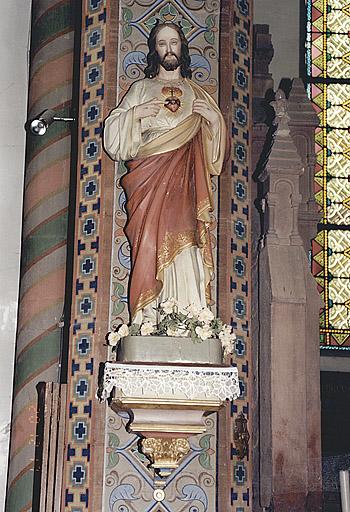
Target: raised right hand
<point>148,109</point>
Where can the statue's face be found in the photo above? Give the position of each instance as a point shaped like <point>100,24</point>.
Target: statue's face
<point>168,46</point>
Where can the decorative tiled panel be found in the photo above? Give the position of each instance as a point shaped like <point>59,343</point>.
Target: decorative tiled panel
<point>82,364</point>
<point>128,71</point>
<point>240,266</point>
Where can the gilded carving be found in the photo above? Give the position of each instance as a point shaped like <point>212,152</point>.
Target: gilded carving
<point>165,454</point>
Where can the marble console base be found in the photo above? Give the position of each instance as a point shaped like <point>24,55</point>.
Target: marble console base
<point>168,385</point>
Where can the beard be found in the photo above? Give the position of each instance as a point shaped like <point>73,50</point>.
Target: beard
<point>170,62</point>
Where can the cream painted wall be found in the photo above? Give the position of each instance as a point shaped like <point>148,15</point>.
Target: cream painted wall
<point>283,19</point>
<point>14,43</point>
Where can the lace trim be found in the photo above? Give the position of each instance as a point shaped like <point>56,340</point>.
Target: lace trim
<point>170,381</point>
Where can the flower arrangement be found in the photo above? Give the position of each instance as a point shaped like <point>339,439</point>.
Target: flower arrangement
<point>190,322</point>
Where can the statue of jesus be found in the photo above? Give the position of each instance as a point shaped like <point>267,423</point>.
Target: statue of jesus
<point>172,137</point>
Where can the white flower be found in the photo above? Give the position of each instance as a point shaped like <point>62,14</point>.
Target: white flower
<point>203,332</point>
<point>168,306</point>
<point>227,345</point>
<point>113,339</point>
<point>180,332</point>
<point>171,332</point>
<point>226,333</point>
<point>227,329</point>
<point>147,328</point>
<point>123,331</point>
<point>192,311</point>
<point>227,338</point>
<point>205,316</point>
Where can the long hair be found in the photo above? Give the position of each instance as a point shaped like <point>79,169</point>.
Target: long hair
<point>153,60</point>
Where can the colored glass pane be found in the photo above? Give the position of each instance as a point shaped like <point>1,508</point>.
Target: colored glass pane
<point>328,69</point>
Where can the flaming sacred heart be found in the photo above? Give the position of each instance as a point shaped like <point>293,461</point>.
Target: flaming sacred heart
<point>172,101</point>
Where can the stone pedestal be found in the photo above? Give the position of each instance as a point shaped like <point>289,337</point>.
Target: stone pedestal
<point>167,349</point>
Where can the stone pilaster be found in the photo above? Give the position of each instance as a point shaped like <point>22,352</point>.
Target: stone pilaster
<point>290,452</point>
<point>262,83</point>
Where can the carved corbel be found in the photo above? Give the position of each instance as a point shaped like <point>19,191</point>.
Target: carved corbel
<point>164,453</point>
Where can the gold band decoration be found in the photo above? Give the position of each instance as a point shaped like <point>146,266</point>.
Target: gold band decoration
<point>165,454</point>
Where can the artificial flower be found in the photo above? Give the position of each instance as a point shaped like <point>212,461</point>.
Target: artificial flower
<point>168,306</point>
<point>180,332</point>
<point>123,331</point>
<point>228,346</point>
<point>205,316</point>
<point>192,311</point>
<point>203,332</point>
<point>171,332</point>
<point>147,328</point>
<point>113,338</point>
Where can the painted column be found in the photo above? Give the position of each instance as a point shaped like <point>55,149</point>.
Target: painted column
<point>14,34</point>
<point>43,260</point>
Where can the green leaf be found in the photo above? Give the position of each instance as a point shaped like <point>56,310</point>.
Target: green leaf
<point>113,459</point>
<point>134,329</point>
<point>113,443</point>
<point>204,441</point>
<point>172,9</point>
<point>127,30</point>
<point>204,460</point>
<point>209,37</point>
<point>210,21</point>
<point>118,305</point>
<point>140,456</point>
<point>151,22</point>
<point>186,25</point>
<point>126,14</point>
<point>167,10</point>
<point>113,440</point>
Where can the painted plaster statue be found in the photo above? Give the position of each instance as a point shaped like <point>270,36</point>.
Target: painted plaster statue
<point>172,136</point>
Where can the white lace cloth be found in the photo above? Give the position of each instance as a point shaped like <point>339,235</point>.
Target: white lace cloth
<point>131,380</point>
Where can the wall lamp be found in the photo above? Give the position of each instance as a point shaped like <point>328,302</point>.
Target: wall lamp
<point>40,124</point>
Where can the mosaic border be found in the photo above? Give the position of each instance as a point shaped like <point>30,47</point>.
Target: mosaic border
<point>239,285</point>
<point>82,408</point>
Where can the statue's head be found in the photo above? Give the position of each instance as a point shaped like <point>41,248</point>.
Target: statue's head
<point>168,47</point>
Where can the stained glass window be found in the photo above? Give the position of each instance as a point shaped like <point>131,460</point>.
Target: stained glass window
<point>328,82</point>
